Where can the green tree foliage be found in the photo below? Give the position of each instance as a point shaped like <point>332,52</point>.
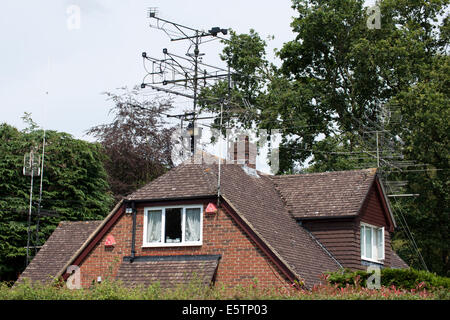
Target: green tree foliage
<point>137,142</point>
<point>426,129</point>
<point>326,97</point>
<point>74,186</point>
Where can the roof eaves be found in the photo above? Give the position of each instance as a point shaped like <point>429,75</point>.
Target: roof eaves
<point>386,200</point>
<point>361,205</point>
<point>334,217</point>
<point>141,200</point>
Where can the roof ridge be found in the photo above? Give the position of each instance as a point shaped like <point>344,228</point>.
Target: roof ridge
<point>372,170</point>
<point>283,199</point>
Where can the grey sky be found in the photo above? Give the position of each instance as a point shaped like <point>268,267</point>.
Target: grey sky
<point>40,52</point>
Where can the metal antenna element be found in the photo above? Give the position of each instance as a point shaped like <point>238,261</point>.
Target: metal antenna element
<point>40,194</point>
<point>183,75</point>
<point>31,162</point>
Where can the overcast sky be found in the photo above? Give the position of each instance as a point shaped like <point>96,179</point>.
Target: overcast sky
<point>42,52</point>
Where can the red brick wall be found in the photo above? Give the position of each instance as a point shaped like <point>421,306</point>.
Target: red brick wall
<point>242,261</point>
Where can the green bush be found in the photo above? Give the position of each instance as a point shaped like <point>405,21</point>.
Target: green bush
<point>114,290</point>
<point>411,278</point>
<point>401,278</point>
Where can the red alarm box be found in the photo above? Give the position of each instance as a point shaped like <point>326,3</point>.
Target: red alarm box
<point>211,208</point>
<point>110,241</point>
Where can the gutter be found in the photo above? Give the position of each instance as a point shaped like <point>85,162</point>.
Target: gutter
<point>325,217</point>
<point>133,232</point>
<point>209,196</point>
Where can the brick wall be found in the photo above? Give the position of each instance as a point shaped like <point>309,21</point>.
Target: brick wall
<point>242,261</point>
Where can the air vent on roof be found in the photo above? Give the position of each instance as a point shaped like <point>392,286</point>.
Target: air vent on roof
<point>250,171</point>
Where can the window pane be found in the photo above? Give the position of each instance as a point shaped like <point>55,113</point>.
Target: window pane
<point>361,236</point>
<point>192,232</point>
<point>154,226</point>
<point>173,225</point>
<point>380,244</point>
<point>368,242</point>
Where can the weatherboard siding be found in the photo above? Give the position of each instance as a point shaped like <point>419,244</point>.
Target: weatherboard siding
<point>342,236</point>
<point>373,213</point>
<point>339,237</point>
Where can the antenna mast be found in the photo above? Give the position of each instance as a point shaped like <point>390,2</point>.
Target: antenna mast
<point>183,75</point>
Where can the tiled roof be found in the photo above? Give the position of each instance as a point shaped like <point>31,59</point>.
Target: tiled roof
<point>257,201</point>
<point>64,242</point>
<point>169,271</point>
<point>397,262</point>
<point>186,180</point>
<point>327,194</point>
<point>267,204</point>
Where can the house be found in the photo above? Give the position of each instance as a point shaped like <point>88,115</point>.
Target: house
<point>276,229</point>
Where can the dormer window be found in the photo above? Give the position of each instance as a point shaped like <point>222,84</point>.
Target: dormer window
<point>372,243</point>
<point>173,226</point>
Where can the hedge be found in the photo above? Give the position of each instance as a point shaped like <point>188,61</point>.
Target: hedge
<point>401,278</point>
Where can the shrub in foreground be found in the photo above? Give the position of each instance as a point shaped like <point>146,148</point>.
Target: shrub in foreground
<point>408,279</point>
<point>114,290</point>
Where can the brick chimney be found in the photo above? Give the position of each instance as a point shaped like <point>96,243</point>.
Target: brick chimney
<point>243,152</point>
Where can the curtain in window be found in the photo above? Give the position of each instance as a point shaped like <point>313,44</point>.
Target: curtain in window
<point>154,226</point>
<point>192,224</point>
<point>380,242</point>
<point>368,242</point>
<point>361,237</point>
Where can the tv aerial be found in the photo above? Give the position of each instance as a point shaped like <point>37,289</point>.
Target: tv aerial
<point>184,75</point>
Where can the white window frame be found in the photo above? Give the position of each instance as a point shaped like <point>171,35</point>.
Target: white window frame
<point>379,258</point>
<point>183,242</point>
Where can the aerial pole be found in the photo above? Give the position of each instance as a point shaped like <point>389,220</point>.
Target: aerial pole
<point>31,168</point>
<point>183,74</point>
<point>40,194</point>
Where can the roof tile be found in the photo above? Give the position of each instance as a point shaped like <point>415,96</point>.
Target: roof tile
<point>168,271</point>
<point>327,194</point>
<point>63,243</point>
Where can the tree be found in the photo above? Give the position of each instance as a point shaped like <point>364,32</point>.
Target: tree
<point>137,142</point>
<point>426,130</point>
<point>335,77</point>
<point>74,187</point>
